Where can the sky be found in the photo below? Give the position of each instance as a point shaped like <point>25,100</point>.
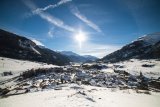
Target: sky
<point>86,27</point>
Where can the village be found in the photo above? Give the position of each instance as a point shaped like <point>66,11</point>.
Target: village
<point>87,74</point>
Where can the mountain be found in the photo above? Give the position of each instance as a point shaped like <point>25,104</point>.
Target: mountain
<point>146,47</point>
<point>78,58</point>
<point>90,57</point>
<point>69,53</point>
<point>18,47</point>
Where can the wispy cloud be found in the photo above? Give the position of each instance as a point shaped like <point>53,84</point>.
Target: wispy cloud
<point>57,22</point>
<point>83,18</point>
<point>38,10</point>
<point>50,18</point>
<point>51,32</point>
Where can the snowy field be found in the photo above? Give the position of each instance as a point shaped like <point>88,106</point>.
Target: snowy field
<point>73,95</point>
<point>82,96</point>
<point>18,66</point>
<point>135,66</point>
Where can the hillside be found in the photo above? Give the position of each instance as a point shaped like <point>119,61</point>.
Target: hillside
<point>146,47</point>
<point>18,47</point>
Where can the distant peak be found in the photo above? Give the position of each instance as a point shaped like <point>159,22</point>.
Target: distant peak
<point>69,53</point>
<point>151,38</point>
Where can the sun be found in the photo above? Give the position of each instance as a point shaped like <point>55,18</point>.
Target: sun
<point>80,37</point>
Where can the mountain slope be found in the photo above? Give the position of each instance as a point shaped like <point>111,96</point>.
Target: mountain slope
<point>69,53</point>
<point>146,47</point>
<point>78,58</point>
<point>14,46</point>
<point>90,57</point>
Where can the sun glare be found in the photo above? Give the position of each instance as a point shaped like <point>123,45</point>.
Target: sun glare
<point>80,37</point>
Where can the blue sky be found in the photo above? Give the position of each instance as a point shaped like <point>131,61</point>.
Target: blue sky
<point>107,24</point>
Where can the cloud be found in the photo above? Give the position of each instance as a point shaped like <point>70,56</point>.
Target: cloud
<point>48,17</point>
<point>83,18</point>
<point>50,32</point>
<point>37,42</point>
<point>38,10</point>
<point>29,4</point>
<point>57,22</point>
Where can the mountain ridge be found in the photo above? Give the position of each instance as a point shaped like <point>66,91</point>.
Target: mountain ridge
<point>74,57</point>
<point>18,47</point>
<point>146,47</point>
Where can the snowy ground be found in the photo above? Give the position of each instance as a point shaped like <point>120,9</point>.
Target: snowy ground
<point>82,96</point>
<point>134,66</point>
<point>18,66</point>
<point>73,95</point>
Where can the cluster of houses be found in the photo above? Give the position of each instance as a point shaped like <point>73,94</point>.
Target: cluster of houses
<point>91,75</point>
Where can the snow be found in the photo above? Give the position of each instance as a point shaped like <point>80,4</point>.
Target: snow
<point>108,70</point>
<point>18,66</point>
<point>73,95</point>
<point>37,42</point>
<point>27,44</point>
<point>134,66</point>
<point>151,38</point>
<point>35,50</point>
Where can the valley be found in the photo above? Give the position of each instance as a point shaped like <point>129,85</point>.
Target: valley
<point>88,84</point>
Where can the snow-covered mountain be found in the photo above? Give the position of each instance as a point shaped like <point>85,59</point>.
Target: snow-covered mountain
<point>146,47</point>
<point>150,39</point>
<point>74,57</point>
<point>18,47</point>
